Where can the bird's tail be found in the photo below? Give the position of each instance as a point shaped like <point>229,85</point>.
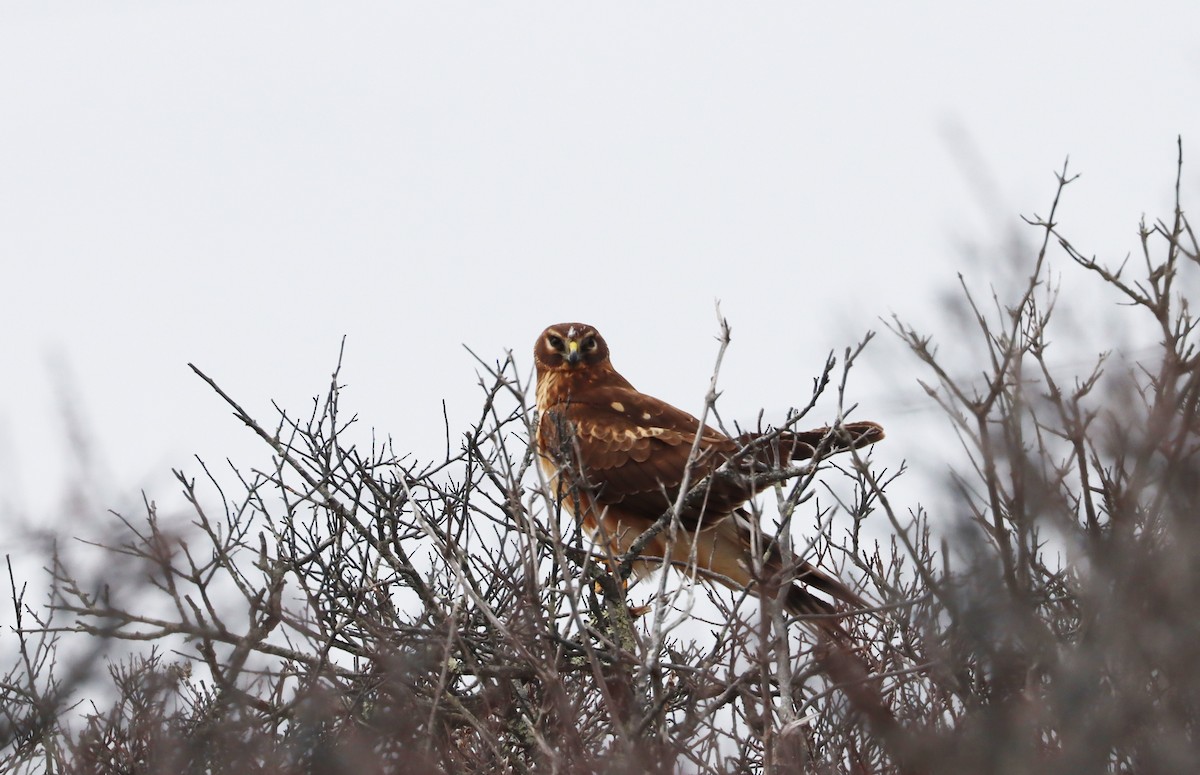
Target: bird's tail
<point>839,656</point>
<point>800,601</point>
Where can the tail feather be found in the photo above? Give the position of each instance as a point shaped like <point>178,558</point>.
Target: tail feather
<point>801,602</point>
<point>836,650</point>
<point>840,658</point>
<point>810,575</point>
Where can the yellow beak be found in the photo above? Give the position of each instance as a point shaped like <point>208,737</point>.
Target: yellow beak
<point>573,355</point>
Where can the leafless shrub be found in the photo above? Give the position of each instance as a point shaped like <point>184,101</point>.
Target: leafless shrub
<point>1066,639</point>
<point>350,609</point>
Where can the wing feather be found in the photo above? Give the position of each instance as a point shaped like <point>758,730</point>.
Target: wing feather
<point>634,450</point>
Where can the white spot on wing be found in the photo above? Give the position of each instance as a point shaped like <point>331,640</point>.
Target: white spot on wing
<point>617,405</point>
<point>645,415</point>
<point>633,434</point>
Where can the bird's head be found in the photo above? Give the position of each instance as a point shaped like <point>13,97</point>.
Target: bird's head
<point>569,347</point>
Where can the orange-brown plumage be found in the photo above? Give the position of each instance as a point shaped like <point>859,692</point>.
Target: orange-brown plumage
<point>631,453</point>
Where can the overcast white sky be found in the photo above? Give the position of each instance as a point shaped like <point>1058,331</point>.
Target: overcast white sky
<point>242,184</point>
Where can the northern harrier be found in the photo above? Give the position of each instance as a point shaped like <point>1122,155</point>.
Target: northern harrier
<point>631,454</point>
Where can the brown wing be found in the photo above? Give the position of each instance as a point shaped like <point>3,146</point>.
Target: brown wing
<point>634,450</point>
<point>779,448</point>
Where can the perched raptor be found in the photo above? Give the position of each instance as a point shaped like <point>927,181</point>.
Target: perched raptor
<point>630,454</point>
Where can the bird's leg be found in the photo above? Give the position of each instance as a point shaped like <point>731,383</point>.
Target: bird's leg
<point>601,588</point>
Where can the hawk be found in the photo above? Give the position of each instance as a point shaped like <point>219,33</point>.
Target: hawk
<point>631,454</point>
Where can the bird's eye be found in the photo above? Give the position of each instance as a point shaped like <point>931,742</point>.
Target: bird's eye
<point>589,344</point>
<point>555,342</point>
